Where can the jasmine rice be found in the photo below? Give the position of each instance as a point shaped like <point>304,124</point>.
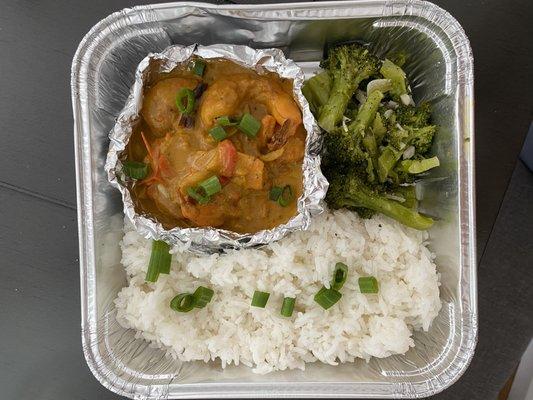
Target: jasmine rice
<point>229,329</point>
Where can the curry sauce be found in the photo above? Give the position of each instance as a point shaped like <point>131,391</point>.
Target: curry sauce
<point>182,150</point>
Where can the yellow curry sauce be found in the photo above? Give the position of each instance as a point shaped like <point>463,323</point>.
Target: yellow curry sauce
<point>181,153</point>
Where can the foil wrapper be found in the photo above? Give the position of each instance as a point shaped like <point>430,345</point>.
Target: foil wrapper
<point>210,239</point>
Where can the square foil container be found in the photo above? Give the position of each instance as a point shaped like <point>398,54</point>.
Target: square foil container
<point>207,240</point>
<point>441,71</point>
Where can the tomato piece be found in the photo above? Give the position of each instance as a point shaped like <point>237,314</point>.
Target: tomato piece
<point>228,158</point>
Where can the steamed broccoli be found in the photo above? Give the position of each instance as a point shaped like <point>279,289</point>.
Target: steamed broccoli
<point>348,190</point>
<point>408,126</point>
<point>347,66</point>
<point>380,145</point>
<point>316,90</point>
<point>398,79</point>
<point>417,117</point>
<point>350,144</point>
<point>422,138</point>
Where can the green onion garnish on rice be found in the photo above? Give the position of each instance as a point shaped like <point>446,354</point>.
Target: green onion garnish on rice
<point>202,296</point>
<point>368,284</point>
<point>327,297</point>
<point>260,299</point>
<point>339,276</point>
<point>159,260</point>
<point>183,302</point>
<point>288,306</point>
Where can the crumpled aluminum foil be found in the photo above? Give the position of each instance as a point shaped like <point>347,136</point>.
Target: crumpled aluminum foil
<point>209,239</point>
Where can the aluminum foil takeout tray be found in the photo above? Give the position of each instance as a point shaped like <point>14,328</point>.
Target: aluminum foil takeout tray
<point>441,71</point>
<point>209,239</point>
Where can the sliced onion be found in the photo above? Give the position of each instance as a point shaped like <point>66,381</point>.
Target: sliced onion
<point>406,99</point>
<point>392,104</point>
<point>383,85</point>
<point>273,155</point>
<point>387,113</point>
<point>163,190</point>
<point>408,153</point>
<point>344,120</point>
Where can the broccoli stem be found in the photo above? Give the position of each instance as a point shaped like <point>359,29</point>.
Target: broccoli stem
<point>418,166</point>
<point>365,198</point>
<point>332,112</point>
<point>391,71</point>
<point>378,128</point>
<point>386,162</point>
<point>316,90</point>
<point>368,111</point>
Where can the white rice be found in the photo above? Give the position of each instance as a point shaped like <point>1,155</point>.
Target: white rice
<point>229,329</point>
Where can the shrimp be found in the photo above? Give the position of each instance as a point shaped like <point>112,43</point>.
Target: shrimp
<point>228,95</point>
<point>159,106</point>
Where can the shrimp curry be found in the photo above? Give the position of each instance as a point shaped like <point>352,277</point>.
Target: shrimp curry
<point>217,145</point>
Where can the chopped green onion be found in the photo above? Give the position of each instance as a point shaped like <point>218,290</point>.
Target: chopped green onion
<point>260,299</point>
<point>368,284</point>
<point>339,276</point>
<point>288,306</point>
<point>286,196</point>
<point>225,121</point>
<point>183,302</point>
<point>218,133</point>
<point>135,170</point>
<point>159,260</point>
<point>202,296</point>
<point>327,297</point>
<point>249,125</point>
<point>198,67</point>
<point>275,192</point>
<point>196,195</point>
<point>211,186</point>
<point>187,95</point>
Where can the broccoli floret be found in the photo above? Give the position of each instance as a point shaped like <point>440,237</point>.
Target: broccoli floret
<point>350,145</point>
<point>343,147</point>
<point>347,66</point>
<point>397,137</point>
<point>421,138</point>
<point>416,117</point>
<point>349,190</point>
